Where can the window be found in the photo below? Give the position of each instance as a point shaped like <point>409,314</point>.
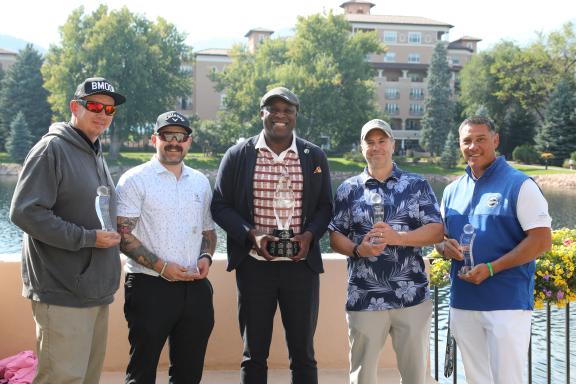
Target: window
<point>380,73</point>
<point>414,58</point>
<point>416,77</point>
<point>454,61</point>
<point>185,103</point>
<point>391,108</point>
<point>390,57</point>
<point>416,93</point>
<point>392,93</point>
<point>416,110</point>
<point>414,37</point>
<point>413,124</point>
<point>223,101</point>
<point>390,36</point>
<point>363,30</point>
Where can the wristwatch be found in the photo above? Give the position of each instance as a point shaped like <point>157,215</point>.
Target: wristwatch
<point>355,254</point>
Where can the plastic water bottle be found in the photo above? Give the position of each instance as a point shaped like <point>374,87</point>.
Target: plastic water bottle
<point>466,243</point>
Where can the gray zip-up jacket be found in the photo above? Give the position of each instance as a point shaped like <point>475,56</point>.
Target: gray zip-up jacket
<point>54,204</point>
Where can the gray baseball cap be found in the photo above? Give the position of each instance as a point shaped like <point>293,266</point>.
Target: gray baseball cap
<point>282,93</point>
<point>376,124</point>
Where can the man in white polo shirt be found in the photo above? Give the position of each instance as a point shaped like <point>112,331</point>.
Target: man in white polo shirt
<point>168,234</point>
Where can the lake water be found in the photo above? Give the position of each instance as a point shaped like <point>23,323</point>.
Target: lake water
<point>562,207</point>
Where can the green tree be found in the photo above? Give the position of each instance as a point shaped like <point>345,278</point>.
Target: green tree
<point>142,58</point>
<point>558,132</point>
<point>19,140</point>
<point>324,64</point>
<point>22,91</point>
<point>439,114</point>
<point>451,152</point>
<point>517,127</point>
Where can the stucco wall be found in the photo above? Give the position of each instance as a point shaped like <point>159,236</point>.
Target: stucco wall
<point>225,347</point>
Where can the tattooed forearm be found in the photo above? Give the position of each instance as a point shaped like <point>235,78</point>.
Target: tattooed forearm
<point>208,242</point>
<point>131,246</point>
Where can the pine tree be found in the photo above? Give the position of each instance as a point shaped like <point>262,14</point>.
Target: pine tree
<point>19,140</point>
<point>451,153</point>
<point>558,132</point>
<point>516,129</point>
<point>22,90</point>
<point>438,117</point>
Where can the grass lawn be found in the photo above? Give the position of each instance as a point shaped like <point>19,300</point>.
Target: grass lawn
<point>337,164</point>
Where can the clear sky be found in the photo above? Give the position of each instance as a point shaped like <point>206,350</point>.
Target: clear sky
<point>213,23</point>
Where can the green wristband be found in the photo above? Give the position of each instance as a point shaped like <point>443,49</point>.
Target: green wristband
<point>490,269</point>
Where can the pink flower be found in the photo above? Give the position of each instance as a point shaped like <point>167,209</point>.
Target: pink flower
<point>560,295</point>
<point>546,277</point>
<point>567,242</point>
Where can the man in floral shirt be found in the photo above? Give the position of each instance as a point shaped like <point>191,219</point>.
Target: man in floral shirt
<point>382,217</point>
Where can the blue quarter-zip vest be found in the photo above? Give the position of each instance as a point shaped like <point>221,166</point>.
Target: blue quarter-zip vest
<point>489,203</point>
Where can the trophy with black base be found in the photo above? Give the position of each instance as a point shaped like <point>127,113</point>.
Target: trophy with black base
<point>283,203</point>
<point>102,205</point>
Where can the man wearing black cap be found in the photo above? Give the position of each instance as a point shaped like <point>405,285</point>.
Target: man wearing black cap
<point>168,234</point>
<point>70,263</point>
<point>245,206</point>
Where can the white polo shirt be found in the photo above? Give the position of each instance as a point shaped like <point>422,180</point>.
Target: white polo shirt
<point>172,212</point>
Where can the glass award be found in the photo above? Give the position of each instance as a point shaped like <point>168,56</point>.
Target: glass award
<point>102,205</point>
<point>283,203</point>
<point>377,212</point>
<point>466,243</point>
<point>377,208</point>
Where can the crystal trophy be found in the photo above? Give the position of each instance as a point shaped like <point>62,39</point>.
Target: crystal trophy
<point>466,242</point>
<point>377,211</point>
<point>102,205</point>
<point>193,266</point>
<point>283,203</point>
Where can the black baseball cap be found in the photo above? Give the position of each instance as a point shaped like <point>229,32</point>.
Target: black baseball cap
<point>281,93</point>
<point>172,118</point>
<point>98,86</point>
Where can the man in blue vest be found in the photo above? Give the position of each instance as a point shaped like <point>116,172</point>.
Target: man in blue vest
<point>491,303</point>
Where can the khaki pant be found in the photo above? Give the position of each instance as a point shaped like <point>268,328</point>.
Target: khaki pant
<point>71,343</point>
<point>409,329</point>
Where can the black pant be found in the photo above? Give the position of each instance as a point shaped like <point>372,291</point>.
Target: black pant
<point>156,310</point>
<point>262,285</point>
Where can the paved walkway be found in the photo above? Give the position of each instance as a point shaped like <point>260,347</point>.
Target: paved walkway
<point>277,376</point>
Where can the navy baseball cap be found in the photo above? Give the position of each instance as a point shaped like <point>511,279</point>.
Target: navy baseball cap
<point>172,118</point>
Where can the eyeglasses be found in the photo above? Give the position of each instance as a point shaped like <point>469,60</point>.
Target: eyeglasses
<point>169,136</point>
<point>96,107</point>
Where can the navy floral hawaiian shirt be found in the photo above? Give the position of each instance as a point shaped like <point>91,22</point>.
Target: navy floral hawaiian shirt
<point>396,278</point>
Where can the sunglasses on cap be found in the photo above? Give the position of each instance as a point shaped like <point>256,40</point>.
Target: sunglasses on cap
<point>169,136</point>
<point>96,107</point>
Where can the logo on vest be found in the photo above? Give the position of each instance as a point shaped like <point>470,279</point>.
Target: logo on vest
<point>492,201</point>
<point>101,86</point>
